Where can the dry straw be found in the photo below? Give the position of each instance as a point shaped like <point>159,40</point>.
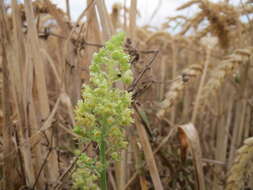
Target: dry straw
<point>41,83</point>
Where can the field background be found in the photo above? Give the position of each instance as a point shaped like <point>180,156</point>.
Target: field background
<point>192,94</point>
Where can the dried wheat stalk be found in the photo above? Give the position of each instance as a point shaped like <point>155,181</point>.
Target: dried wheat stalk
<point>240,168</point>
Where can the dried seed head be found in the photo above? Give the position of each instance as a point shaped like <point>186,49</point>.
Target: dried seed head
<point>178,86</point>
<point>227,67</point>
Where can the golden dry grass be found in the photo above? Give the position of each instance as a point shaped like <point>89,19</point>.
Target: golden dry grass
<point>192,95</point>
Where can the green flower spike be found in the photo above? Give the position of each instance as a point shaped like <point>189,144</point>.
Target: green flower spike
<point>103,112</point>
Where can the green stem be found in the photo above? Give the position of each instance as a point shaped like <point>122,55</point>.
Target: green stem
<point>103,175</point>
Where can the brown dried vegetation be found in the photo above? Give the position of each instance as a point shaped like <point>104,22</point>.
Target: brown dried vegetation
<point>192,95</point>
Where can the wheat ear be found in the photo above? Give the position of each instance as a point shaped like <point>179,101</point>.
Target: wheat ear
<point>241,167</point>
<point>227,67</point>
<point>178,86</point>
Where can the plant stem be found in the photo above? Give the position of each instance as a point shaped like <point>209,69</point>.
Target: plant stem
<point>103,176</point>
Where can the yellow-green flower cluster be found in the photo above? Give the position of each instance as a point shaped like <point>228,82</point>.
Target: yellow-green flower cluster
<point>104,110</point>
<point>103,105</point>
<point>85,177</point>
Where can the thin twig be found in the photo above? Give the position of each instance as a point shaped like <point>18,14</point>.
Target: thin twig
<point>42,166</point>
<point>147,67</point>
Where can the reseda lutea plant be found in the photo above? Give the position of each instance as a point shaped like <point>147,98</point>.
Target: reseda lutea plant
<point>103,113</point>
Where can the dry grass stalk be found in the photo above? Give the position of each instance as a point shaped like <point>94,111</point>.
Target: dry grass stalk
<point>149,156</point>
<point>94,35</point>
<point>115,15</point>
<point>53,170</point>
<point>203,77</point>
<point>132,19</point>
<point>241,167</point>
<point>147,149</point>
<point>174,74</point>
<point>104,20</point>
<point>10,178</point>
<point>68,10</point>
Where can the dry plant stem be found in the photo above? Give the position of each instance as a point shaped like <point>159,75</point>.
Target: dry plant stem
<point>131,180</point>
<point>136,156</point>
<point>120,171</point>
<point>41,168</point>
<point>218,154</point>
<point>132,22</point>
<point>149,156</point>
<point>53,169</point>
<point>125,17</point>
<point>174,75</point>
<point>159,4</point>
<point>203,77</point>
<point>16,63</point>
<point>104,20</point>
<point>52,65</point>
<point>232,150</point>
<point>38,151</point>
<point>93,34</point>
<point>112,181</point>
<point>240,118</point>
<point>223,134</point>
<point>68,9</point>
<point>164,141</point>
<point>8,176</point>
<point>247,123</point>
<point>245,81</point>
<point>241,167</point>
<point>163,76</point>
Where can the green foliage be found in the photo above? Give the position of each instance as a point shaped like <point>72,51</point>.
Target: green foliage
<point>104,110</point>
